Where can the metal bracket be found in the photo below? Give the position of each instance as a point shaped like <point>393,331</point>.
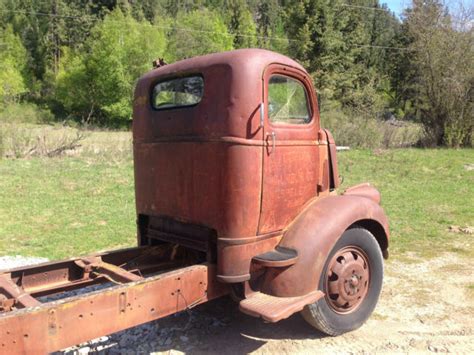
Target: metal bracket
<point>95,265</point>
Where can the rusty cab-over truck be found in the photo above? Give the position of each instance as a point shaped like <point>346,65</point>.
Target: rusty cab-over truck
<point>235,186</point>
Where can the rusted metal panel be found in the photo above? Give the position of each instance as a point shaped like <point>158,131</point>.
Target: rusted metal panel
<point>56,325</point>
<point>213,184</point>
<point>290,171</point>
<point>364,190</point>
<point>313,234</point>
<point>203,164</point>
<point>290,177</point>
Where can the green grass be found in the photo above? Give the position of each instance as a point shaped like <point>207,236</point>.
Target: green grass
<point>59,208</point>
<point>74,205</point>
<point>423,193</point>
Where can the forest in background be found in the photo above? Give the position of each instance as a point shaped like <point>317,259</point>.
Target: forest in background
<point>78,61</point>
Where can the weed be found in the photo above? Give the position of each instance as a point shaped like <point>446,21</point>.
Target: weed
<point>24,141</point>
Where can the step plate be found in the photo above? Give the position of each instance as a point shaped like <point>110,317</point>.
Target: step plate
<point>273,309</point>
<point>279,257</point>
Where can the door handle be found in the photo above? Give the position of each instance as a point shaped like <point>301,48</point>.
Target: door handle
<point>273,135</point>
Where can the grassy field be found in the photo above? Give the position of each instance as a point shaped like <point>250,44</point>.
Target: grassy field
<point>71,205</point>
<point>84,202</point>
<point>424,192</point>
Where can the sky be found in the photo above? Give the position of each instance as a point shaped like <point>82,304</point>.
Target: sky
<point>396,6</point>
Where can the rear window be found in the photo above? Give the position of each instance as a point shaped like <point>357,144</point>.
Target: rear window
<point>178,92</point>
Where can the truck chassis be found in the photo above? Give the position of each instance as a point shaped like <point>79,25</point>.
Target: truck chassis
<point>133,286</point>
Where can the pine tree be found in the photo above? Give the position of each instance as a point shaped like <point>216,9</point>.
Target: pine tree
<point>240,23</point>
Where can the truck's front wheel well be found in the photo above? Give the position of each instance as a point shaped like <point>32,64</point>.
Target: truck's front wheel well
<point>376,229</point>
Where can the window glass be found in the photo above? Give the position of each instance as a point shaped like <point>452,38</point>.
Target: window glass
<point>287,101</point>
<point>178,92</point>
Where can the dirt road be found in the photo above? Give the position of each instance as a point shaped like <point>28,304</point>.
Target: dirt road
<point>426,306</point>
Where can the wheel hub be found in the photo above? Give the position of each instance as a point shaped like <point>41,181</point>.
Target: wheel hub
<point>348,277</point>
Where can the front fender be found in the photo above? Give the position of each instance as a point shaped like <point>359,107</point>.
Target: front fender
<point>314,233</point>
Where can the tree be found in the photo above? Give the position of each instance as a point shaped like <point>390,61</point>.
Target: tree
<point>98,83</point>
<point>12,66</point>
<point>196,33</point>
<point>45,28</point>
<point>315,28</point>
<point>339,44</point>
<point>270,21</point>
<point>240,23</point>
<point>443,52</point>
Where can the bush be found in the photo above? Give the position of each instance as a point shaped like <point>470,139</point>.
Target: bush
<point>25,113</point>
<point>353,129</point>
<point>23,141</point>
<point>360,130</point>
<point>400,134</point>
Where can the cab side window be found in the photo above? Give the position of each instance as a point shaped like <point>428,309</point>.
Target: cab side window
<point>287,101</point>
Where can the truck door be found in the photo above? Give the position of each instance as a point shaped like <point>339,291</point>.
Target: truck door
<point>290,156</point>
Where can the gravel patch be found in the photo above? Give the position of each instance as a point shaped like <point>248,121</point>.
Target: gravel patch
<point>184,332</point>
<point>11,262</point>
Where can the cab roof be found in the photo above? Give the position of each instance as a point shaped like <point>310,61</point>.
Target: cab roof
<point>240,59</point>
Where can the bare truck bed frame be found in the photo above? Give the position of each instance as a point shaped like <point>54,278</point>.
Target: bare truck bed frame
<point>138,285</point>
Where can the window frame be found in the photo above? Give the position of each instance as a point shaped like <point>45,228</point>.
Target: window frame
<point>290,131</point>
<point>170,78</point>
<point>307,99</point>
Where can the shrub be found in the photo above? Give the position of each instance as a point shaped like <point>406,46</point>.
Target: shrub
<point>25,113</point>
<point>400,134</point>
<point>354,130</point>
<point>24,141</point>
<point>360,130</point>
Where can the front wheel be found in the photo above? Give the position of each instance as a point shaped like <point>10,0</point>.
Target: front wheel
<point>351,281</point>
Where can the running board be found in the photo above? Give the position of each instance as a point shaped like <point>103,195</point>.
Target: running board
<point>273,309</point>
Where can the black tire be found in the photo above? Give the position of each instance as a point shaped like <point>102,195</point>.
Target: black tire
<point>323,314</point>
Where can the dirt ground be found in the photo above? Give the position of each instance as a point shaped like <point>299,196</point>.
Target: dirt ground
<point>425,306</point>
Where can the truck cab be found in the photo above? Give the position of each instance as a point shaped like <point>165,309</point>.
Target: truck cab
<point>231,161</point>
